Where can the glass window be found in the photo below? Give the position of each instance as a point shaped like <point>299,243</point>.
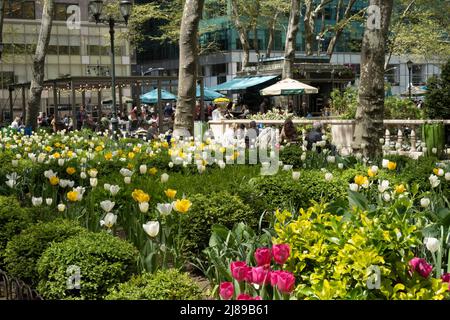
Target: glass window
<point>60,11</point>
<point>52,49</point>
<point>20,9</point>
<point>63,50</point>
<point>93,50</point>
<point>218,69</point>
<point>6,78</point>
<point>75,50</point>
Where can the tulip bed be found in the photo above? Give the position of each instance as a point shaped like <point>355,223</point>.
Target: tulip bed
<point>118,216</point>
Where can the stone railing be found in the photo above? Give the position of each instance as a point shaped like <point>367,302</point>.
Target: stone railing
<point>401,136</point>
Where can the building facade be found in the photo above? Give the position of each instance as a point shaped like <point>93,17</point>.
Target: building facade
<point>77,47</point>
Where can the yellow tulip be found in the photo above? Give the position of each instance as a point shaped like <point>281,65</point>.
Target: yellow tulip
<point>140,196</point>
<point>69,154</point>
<point>400,189</point>
<point>371,173</point>
<point>98,148</point>
<point>222,149</point>
<point>48,148</point>
<point>56,155</point>
<point>71,170</point>
<point>72,196</point>
<point>360,180</point>
<point>392,165</point>
<point>152,171</point>
<point>108,156</point>
<point>170,193</point>
<point>182,206</point>
<point>165,144</point>
<point>130,166</point>
<point>131,155</point>
<point>54,180</point>
<point>57,144</point>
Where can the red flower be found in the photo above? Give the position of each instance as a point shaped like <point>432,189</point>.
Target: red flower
<point>260,275</point>
<point>226,290</point>
<point>263,256</point>
<point>244,296</point>
<point>446,278</point>
<point>240,271</point>
<point>281,253</point>
<point>285,282</point>
<point>421,266</point>
<point>274,277</point>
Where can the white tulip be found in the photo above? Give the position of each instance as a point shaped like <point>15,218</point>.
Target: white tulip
<point>36,201</point>
<point>127,180</point>
<point>143,169</point>
<point>440,172</point>
<point>109,220</point>
<point>143,206</point>
<point>114,189</point>
<point>386,197</point>
<point>11,183</point>
<point>432,244</point>
<point>295,175</point>
<point>15,162</point>
<point>434,181</point>
<point>171,164</point>
<point>107,205</point>
<point>222,165</point>
<point>385,162</point>
<point>374,169</point>
<point>83,175</point>
<point>125,172</point>
<point>164,177</point>
<point>164,208</point>
<point>93,173</point>
<point>49,201</point>
<point>328,176</point>
<point>49,173</point>
<point>434,150</point>
<point>18,156</point>
<point>354,187</point>
<point>151,228</point>
<point>70,183</point>
<point>340,165</point>
<point>60,162</point>
<point>447,176</point>
<point>106,186</point>
<point>331,159</point>
<point>93,182</point>
<point>303,157</point>
<point>61,207</point>
<point>383,186</point>
<point>425,202</point>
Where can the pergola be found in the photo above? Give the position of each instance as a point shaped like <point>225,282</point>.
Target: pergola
<point>82,84</point>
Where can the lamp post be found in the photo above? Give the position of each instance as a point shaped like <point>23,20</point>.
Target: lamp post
<point>96,7</point>
<point>409,64</point>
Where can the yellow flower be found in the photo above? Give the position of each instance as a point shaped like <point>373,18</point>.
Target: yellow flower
<point>222,149</point>
<point>137,149</point>
<point>182,206</point>
<point>140,196</point>
<point>131,155</point>
<point>72,196</point>
<point>57,144</point>
<point>392,165</point>
<point>360,180</point>
<point>54,180</point>
<point>165,144</point>
<point>48,148</point>
<point>181,154</point>
<point>400,189</point>
<point>130,166</point>
<point>371,173</point>
<point>56,155</point>
<point>69,154</point>
<point>71,170</point>
<point>98,148</point>
<point>170,193</point>
<point>108,156</point>
<point>152,171</point>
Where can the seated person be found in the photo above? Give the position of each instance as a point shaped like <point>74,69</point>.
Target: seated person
<point>315,135</point>
<point>288,132</point>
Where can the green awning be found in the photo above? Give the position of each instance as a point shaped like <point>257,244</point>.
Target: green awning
<point>292,92</point>
<point>242,83</point>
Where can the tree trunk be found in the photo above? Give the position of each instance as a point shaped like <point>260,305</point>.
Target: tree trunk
<point>242,35</point>
<point>37,81</point>
<point>2,12</point>
<point>370,113</point>
<point>255,40</point>
<point>340,28</point>
<point>187,78</point>
<point>291,35</point>
<point>271,35</point>
<point>309,27</point>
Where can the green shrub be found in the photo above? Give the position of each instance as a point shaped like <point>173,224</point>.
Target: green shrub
<point>24,250</point>
<point>103,261</point>
<point>13,219</point>
<point>207,210</point>
<point>291,155</point>
<point>163,285</point>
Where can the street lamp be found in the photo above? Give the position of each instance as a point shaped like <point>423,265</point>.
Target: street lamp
<point>96,7</point>
<point>409,64</point>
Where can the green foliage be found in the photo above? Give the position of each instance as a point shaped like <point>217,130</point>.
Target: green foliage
<point>291,155</point>
<point>163,285</point>
<point>396,108</point>
<point>103,261</point>
<point>345,103</point>
<point>209,209</point>
<point>24,250</point>
<point>333,255</point>
<point>437,100</point>
<point>13,219</point>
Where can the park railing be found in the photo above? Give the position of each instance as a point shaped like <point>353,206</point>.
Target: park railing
<point>403,137</point>
<point>15,289</point>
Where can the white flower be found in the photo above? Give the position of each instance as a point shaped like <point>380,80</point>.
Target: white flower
<point>447,176</point>
<point>61,207</point>
<point>60,162</point>
<point>114,189</point>
<point>374,169</point>
<point>151,228</point>
<point>49,173</point>
<point>93,182</point>
<point>125,172</point>
<point>328,176</point>
<point>354,187</point>
<point>15,162</point>
<point>303,157</point>
<point>143,206</point>
<point>109,220</point>
<point>127,180</point>
<point>164,177</point>
<point>143,169</point>
<point>331,159</point>
<point>36,201</point>
<point>432,244</point>
<point>340,165</point>
<point>201,168</point>
<point>171,164</point>
<point>440,172</point>
<point>434,181</point>
<point>70,183</point>
<point>385,163</point>
<point>164,208</point>
<point>107,205</point>
<point>93,173</point>
<point>296,175</point>
<point>49,201</point>
<point>383,186</point>
<point>11,183</point>
<point>386,197</point>
<point>222,165</point>
<point>425,202</point>
<point>106,186</point>
<point>287,167</point>
<point>83,175</point>
<point>434,150</point>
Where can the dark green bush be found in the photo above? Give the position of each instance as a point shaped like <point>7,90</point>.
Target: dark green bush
<point>162,285</point>
<point>13,219</point>
<point>291,155</point>
<point>207,210</point>
<point>24,250</point>
<point>104,261</point>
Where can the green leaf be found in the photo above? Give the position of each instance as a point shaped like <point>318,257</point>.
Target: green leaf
<point>444,216</point>
<point>358,200</point>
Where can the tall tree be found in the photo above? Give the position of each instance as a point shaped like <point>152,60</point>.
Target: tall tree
<point>291,35</point>
<point>242,31</point>
<point>2,12</point>
<point>37,81</point>
<point>270,12</point>
<point>370,113</point>
<point>187,77</point>
<point>311,11</point>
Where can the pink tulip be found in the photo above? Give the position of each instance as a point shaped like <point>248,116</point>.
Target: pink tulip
<point>286,282</point>
<point>263,256</point>
<point>240,271</point>
<point>260,275</point>
<point>226,290</point>
<point>421,266</point>
<point>281,253</point>
<point>244,296</point>
<point>274,277</point>
<point>446,278</point>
